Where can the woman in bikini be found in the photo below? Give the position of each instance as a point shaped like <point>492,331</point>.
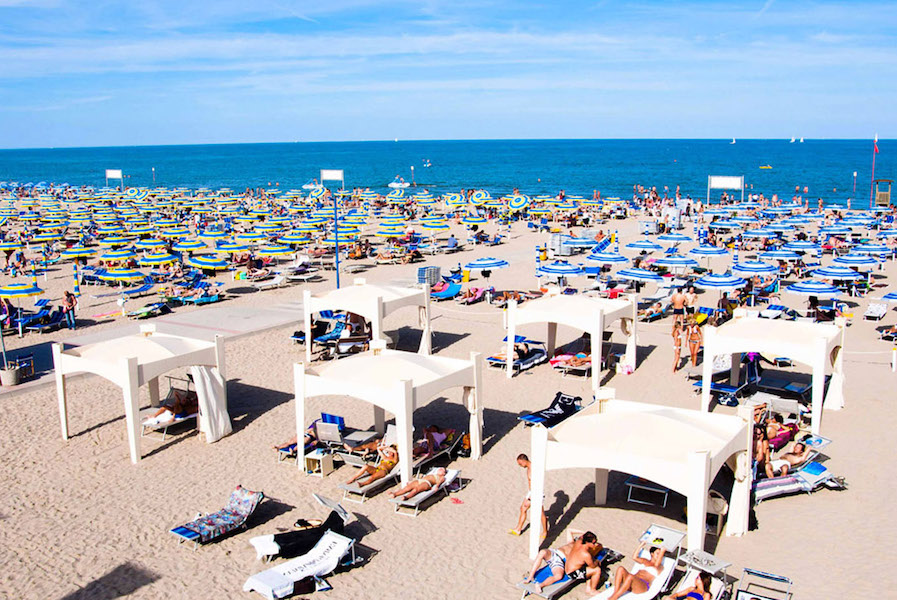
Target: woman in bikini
<point>677,345</point>
<point>421,484</point>
<point>389,458</point>
<point>699,591</point>
<point>695,338</point>
<point>642,576</point>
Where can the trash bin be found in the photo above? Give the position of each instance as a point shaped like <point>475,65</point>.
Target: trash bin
<point>465,276</point>
<point>10,376</point>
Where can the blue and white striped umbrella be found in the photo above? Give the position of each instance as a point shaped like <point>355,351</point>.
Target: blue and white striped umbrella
<point>574,242</point>
<point>606,258</point>
<point>762,232</point>
<point>861,261</point>
<point>486,264</point>
<point>639,275</point>
<point>836,273</point>
<point>644,245</point>
<point>724,224</point>
<point>779,210</point>
<point>780,255</point>
<point>871,249</point>
<point>801,246</point>
<point>707,250</point>
<point>813,288</point>
<point>887,233</point>
<point>780,227</point>
<point>890,297</point>
<point>834,230</point>
<point>560,268</point>
<point>676,261</point>
<point>673,237</point>
<point>753,267</point>
<point>722,282</point>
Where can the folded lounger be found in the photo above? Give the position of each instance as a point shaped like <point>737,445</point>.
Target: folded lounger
<point>413,504</point>
<point>605,557</point>
<point>306,535</point>
<point>240,506</point>
<point>562,407</point>
<point>352,492</point>
<point>808,479</point>
<point>328,554</point>
<point>876,311</point>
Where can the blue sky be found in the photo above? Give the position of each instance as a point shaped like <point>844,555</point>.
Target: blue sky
<point>104,72</point>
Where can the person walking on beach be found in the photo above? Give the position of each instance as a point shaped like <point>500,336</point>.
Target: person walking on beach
<point>69,303</point>
<point>524,462</point>
<point>678,302</point>
<point>677,345</point>
<point>695,338</point>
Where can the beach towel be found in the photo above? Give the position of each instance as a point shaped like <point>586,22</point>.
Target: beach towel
<point>211,391</point>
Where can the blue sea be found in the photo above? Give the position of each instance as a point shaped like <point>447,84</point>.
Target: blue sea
<point>826,167</point>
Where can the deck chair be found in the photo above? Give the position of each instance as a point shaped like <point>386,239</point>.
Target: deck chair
<point>876,311</point>
<point>657,586</point>
<point>411,507</point>
<point>729,394</point>
<point>150,426</point>
<point>773,311</point>
<point>757,585</point>
<point>534,356</point>
<point>448,447</point>
<point>808,479</point>
<point>331,335</point>
<point>352,492</point>
<point>240,506</point>
<point>355,458</point>
<point>23,321</point>
<point>275,282</point>
<point>785,387</point>
<point>448,293</point>
<point>562,407</point>
<point>279,582</point>
<point>150,310</point>
<point>142,290</point>
<point>605,557</point>
<point>54,322</point>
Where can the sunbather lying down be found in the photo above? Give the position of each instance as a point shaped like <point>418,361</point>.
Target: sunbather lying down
<point>180,403</point>
<point>389,458</point>
<point>520,351</point>
<point>571,360</point>
<point>309,439</point>
<point>654,309</point>
<point>435,438</point>
<point>420,484</point>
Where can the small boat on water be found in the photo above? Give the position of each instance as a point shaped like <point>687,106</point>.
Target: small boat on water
<point>792,141</point>
<point>733,141</point>
<point>311,184</point>
<point>398,183</point>
<point>765,166</point>
<point>801,140</point>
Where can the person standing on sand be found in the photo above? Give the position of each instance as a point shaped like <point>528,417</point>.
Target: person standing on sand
<point>678,302</point>
<point>524,462</point>
<point>677,345</point>
<point>69,303</point>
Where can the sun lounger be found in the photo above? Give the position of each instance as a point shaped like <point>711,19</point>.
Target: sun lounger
<point>448,447</point>
<point>352,492</point>
<point>562,407</point>
<point>721,364</point>
<point>275,282</point>
<point>54,322</point>
<point>200,300</point>
<point>534,356</point>
<point>477,295</point>
<point>605,557</point>
<point>808,479</point>
<point>671,545</point>
<point>414,503</point>
<point>717,585</point>
<point>778,385</point>
<point>448,293</point>
<point>764,587</point>
<point>150,310</point>
<point>240,506</point>
<point>148,427</point>
<point>141,290</point>
<point>875,311</point>
<point>279,582</point>
<point>773,311</point>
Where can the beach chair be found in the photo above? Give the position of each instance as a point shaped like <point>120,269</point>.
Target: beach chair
<point>663,537</point>
<point>149,426</point>
<point>728,394</point>
<point>605,557</point>
<point>142,290</point>
<point>757,585</point>
<point>24,320</point>
<point>770,383</point>
<point>888,335</point>
<point>331,335</point>
<point>153,309</point>
<point>534,356</point>
<point>25,364</point>
<point>773,311</point>
<point>352,492</point>
<point>54,322</point>
<point>201,300</point>
<point>330,552</point>
<point>562,407</point>
<point>240,506</point>
<point>448,293</point>
<point>448,448</point>
<point>478,294</point>
<point>411,507</point>
<point>875,311</point>
<point>275,282</point>
<point>811,477</point>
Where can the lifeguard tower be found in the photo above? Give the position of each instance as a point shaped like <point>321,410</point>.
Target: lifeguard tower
<point>882,192</point>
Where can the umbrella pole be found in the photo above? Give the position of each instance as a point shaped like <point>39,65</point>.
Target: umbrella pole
<point>3,346</point>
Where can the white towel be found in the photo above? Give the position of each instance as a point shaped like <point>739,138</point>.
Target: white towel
<point>211,392</point>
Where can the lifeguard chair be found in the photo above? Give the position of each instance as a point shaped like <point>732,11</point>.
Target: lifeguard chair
<point>882,192</point>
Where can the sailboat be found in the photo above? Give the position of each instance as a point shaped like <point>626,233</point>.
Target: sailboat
<point>792,140</point>
<point>801,140</point>
<point>733,141</point>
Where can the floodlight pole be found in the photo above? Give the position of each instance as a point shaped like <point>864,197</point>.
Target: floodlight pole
<point>335,175</point>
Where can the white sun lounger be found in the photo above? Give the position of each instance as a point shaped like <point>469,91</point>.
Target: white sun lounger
<point>717,585</point>
<point>671,539</point>
<point>352,492</point>
<point>324,558</point>
<point>275,282</point>
<point>413,504</point>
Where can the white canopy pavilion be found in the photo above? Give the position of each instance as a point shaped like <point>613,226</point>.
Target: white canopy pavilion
<point>811,344</point>
<point>373,302</point>
<point>134,360</point>
<point>678,448</point>
<point>397,382</point>
<point>585,313</point>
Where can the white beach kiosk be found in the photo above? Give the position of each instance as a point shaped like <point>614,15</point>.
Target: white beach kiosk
<point>132,361</point>
<point>591,315</point>
<point>397,382</point>
<point>680,449</point>
<point>813,344</point>
<point>374,302</point>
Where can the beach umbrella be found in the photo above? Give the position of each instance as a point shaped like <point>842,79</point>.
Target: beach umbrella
<point>836,273</point>
<point>518,202</point>
<point>606,258</point>
<point>435,226</point>
<point>17,291</point>
<point>638,275</point>
<point>813,288</point>
<point>802,246</point>
<point>724,224</point>
<point>10,245</point>
<point>121,275</point>
<point>189,246</point>
<point>251,237</point>
<point>121,255</point>
<point>707,250</point>
<point>486,265</point>
<point>43,238</point>
<point>113,241</point>
<point>721,282</point>
<point>294,239</point>
<point>673,237</point>
<point>676,261</point>
<point>890,297</point>
<point>141,230</point>
<point>834,230</point>
<point>860,261</point>
<point>207,262</point>
<point>560,268</point>
<point>474,220</point>
<point>157,258</point>
<point>780,227</point>
<point>212,235</point>
<point>750,268</point>
<point>78,252</point>
<point>871,249</point>
<point>479,197</point>
<point>780,255</point>
<point>396,194</point>
<point>762,232</point>
<point>644,245</point>
<point>539,211</point>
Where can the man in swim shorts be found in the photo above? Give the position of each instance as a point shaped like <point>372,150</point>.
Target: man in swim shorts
<point>523,462</point>
<point>678,303</point>
<point>575,559</point>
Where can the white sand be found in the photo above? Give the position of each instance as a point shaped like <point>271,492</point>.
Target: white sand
<point>80,521</point>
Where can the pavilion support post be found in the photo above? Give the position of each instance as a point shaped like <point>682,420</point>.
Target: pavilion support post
<point>130,391</point>
<point>153,385</point>
<point>737,519</point>
<point>60,391</point>
<point>834,398</point>
<point>376,317</point>
<point>597,350</point>
<point>299,401</point>
<point>699,483</point>
<point>405,391</point>
<point>538,458</point>
<point>601,479</point>
<point>512,333</point>
<point>379,420</point>
<point>426,340</point>
<point>735,369</point>
<point>553,339</point>
<point>219,359</point>
<point>631,357</point>
<point>707,372</point>
<point>306,309</point>
<point>473,399</point>
<point>817,398</point>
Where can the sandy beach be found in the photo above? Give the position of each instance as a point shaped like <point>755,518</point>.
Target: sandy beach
<point>78,520</point>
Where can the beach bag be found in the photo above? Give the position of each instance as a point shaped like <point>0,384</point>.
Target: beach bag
<point>464,449</point>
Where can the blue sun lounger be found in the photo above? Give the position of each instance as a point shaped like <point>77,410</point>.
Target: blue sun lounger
<point>448,293</point>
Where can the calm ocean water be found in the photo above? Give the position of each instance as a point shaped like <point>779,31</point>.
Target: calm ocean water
<point>534,166</point>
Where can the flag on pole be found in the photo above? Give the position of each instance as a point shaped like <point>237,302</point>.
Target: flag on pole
<point>875,144</point>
